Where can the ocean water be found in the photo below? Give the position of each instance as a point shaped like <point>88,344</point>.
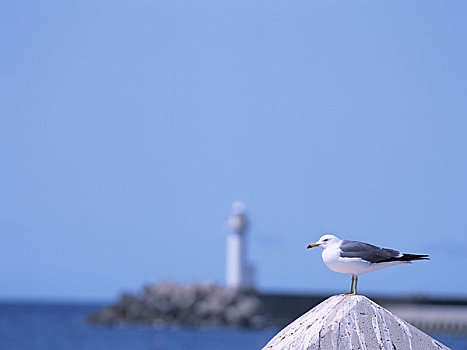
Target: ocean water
<point>34,326</point>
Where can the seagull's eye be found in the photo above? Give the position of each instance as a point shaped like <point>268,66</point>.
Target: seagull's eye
<point>325,239</point>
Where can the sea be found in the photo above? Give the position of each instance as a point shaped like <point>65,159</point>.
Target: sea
<point>63,326</point>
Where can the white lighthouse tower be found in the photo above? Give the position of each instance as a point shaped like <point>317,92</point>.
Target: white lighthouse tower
<point>240,273</point>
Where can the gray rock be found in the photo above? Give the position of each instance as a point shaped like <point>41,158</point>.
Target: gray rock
<point>351,322</point>
<point>189,305</point>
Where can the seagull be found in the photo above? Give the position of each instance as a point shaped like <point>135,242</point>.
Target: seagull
<point>356,258</point>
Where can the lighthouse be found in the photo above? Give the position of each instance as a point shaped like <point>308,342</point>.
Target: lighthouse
<point>240,273</point>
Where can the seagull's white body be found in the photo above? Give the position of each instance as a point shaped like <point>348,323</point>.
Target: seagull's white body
<point>352,266</point>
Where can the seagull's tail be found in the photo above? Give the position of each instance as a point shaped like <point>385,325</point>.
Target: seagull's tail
<point>412,257</point>
<point>406,258</point>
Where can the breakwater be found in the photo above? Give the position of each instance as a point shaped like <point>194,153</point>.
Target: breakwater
<point>205,305</point>
<point>197,305</point>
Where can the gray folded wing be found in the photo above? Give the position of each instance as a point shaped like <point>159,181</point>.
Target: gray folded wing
<point>368,252</point>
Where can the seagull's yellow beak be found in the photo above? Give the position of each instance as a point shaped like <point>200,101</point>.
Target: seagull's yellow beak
<point>312,245</point>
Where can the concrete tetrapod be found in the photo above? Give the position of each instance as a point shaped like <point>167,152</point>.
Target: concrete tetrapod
<point>351,322</point>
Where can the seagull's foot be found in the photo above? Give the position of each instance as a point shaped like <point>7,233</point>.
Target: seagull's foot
<point>353,293</point>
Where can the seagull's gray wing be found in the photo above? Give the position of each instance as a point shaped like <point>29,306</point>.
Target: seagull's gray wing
<point>368,252</point>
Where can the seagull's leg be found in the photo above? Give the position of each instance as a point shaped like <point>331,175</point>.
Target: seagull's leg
<point>356,280</point>
<point>351,287</point>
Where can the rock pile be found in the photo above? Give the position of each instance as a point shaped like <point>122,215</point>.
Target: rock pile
<point>189,305</point>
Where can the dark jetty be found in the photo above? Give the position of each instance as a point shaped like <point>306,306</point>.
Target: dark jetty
<point>208,305</point>
<point>188,305</point>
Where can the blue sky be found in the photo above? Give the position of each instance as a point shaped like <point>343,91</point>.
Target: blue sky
<point>127,128</point>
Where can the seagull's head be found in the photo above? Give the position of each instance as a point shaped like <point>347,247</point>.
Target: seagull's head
<point>325,241</point>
